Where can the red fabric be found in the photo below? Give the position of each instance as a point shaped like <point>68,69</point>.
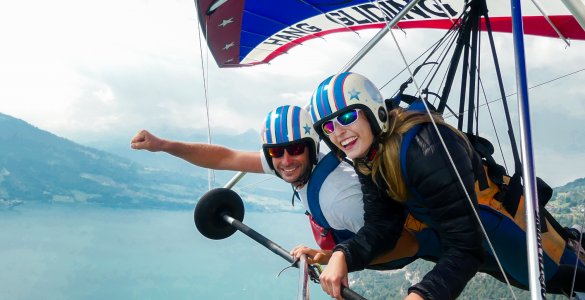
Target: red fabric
<point>323,237</point>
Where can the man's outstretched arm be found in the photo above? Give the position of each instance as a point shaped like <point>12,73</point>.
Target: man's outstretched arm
<point>203,155</point>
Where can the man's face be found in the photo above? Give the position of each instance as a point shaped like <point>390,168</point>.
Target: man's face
<point>291,167</point>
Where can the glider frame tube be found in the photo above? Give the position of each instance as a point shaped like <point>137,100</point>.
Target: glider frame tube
<point>378,36</point>
<point>278,250</point>
<point>536,274</point>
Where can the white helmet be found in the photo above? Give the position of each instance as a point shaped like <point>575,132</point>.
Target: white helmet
<point>286,125</point>
<point>340,93</point>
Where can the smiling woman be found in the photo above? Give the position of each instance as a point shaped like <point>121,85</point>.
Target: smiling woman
<point>413,157</point>
<point>91,71</point>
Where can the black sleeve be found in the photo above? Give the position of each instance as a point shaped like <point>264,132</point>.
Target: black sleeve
<point>383,222</point>
<point>451,214</point>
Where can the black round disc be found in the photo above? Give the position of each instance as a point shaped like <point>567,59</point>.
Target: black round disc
<point>210,209</point>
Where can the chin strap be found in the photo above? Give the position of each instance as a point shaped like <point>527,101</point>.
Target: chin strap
<point>295,194</point>
<point>372,153</point>
<point>303,179</point>
<point>367,160</point>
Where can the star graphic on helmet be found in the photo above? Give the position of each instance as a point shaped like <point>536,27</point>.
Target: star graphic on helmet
<point>307,129</point>
<point>354,94</point>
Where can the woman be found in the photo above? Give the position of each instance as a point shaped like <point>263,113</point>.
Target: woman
<point>402,153</point>
<point>351,117</point>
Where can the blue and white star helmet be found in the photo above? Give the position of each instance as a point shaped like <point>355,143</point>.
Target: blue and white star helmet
<point>340,93</point>
<point>286,125</point>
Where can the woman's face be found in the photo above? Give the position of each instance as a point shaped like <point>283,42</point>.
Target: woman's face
<point>354,139</point>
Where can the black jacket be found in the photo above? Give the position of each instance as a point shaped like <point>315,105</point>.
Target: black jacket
<point>448,211</point>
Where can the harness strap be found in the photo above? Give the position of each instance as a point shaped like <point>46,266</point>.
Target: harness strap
<point>325,166</point>
<point>406,140</point>
<point>321,171</point>
<point>415,208</point>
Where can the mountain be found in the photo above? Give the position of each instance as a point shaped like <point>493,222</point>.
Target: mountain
<point>38,166</point>
<point>394,284</point>
<point>567,203</point>
<point>249,141</point>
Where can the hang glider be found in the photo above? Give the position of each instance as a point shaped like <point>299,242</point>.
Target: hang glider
<point>247,33</point>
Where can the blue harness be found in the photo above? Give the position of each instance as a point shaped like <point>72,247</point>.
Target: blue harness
<point>506,236</point>
<point>321,171</point>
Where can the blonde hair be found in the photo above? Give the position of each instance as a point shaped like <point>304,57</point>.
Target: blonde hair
<point>386,167</point>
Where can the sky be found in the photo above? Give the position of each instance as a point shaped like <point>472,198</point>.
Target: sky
<point>94,71</point>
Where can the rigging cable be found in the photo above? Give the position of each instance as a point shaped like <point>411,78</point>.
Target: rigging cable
<point>579,245</point>
<point>477,73</point>
<point>440,4</point>
<point>457,173</point>
<point>441,57</point>
<point>493,122</point>
<point>433,47</point>
<point>543,83</point>
<point>211,172</point>
<point>488,102</point>
<point>534,86</point>
<point>419,91</point>
<point>204,72</point>
<point>388,22</point>
<point>254,184</point>
<point>561,36</point>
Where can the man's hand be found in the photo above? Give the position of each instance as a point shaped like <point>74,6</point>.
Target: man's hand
<point>145,140</point>
<point>314,256</point>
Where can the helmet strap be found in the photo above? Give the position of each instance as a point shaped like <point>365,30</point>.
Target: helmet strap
<point>303,179</point>
<point>372,152</point>
<point>370,155</point>
<point>295,194</point>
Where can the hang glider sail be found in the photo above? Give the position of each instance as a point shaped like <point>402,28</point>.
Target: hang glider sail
<point>246,33</point>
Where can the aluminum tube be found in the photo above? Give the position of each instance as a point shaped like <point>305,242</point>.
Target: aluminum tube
<point>378,36</point>
<point>535,272</point>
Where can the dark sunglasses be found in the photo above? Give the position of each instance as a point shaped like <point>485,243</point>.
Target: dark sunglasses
<point>292,149</point>
<point>344,119</point>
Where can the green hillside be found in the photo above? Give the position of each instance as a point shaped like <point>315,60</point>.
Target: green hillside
<point>568,203</point>
<point>36,165</point>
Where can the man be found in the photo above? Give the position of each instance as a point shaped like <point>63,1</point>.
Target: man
<point>290,150</point>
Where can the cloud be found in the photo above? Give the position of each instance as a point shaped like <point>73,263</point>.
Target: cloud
<point>89,70</point>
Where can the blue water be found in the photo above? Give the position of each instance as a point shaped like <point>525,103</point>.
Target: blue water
<point>83,252</point>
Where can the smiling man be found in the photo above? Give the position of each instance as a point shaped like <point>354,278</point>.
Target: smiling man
<point>290,150</point>
<point>328,189</point>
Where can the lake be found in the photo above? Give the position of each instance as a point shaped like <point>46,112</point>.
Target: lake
<point>86,252</point>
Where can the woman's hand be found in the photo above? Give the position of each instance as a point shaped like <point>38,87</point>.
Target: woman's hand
<point>314,256</point>
<point>413,296</point>
<point>334,275</point>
